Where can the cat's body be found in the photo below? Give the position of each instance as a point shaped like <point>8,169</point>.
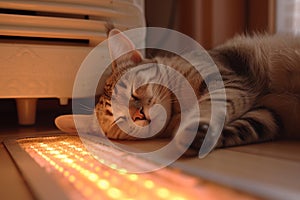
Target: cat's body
<point>270,69</point>
<point>261,78</point>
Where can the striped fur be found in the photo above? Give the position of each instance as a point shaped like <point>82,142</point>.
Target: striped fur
<point>261,77</point>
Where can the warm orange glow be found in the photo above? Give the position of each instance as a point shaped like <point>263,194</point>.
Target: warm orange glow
<point>122,171</point>
<point>97,169</point>
<point>148,184</point>
<point>79,185</point>
<point>60,169</point>
<point>163,193</point>
<point>68,160</point>
<point>102,178</point>
<point>54,152</point>
<point>114,193</point>
<point>72,178</point>
<point>133,177</point>
<point>103,184</point>
<point>61,156</point>
<point>106,174</point>
<point>178,198</point>
<point>87,192</point>
<point>49,149</point>
<point>113,166</point>
<point>93,177</point>
<point>66,173</point>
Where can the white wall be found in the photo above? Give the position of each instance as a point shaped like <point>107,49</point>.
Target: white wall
<point>288,16</point>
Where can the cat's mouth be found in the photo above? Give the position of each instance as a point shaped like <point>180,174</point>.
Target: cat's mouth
<point>140,118</point>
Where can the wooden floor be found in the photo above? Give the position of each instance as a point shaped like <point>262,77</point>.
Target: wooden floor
<point>268,170</point>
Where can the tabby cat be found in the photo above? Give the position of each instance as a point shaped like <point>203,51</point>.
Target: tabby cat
<point>261,75</point>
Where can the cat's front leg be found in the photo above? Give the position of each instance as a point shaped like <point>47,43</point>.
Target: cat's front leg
<point>216,112</point>
<point>187,142</point>
<point>188,132</point>
<point>245,122</point>
<point>257,125</point>
<point>210,121</point>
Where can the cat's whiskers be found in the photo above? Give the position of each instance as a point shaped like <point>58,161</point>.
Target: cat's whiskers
<point>116,120</point>
<point>86,108</point>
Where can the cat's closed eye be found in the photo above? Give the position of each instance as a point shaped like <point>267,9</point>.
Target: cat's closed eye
<point>134,97</point>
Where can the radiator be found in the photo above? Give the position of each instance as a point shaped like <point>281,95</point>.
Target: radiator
<point>43,43</point>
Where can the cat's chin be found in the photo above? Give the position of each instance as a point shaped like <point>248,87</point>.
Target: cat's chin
<point>142,122</point>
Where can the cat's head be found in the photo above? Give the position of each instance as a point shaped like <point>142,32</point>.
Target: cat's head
<point>128,97</point>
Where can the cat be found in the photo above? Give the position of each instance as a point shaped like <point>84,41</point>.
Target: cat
<point>261,78</point>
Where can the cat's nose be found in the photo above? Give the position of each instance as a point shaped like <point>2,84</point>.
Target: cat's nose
<point>138,114</point>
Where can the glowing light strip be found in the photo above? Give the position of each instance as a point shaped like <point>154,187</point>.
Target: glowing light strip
<point>93,179</point>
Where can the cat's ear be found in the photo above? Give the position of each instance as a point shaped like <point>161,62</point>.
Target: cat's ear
<point>118,44</point>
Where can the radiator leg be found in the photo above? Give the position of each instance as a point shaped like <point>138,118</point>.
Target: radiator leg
<point>63,101</point>
<point>26,110</point>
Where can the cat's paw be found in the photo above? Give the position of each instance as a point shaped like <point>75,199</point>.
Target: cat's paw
<point>65,123</point>
<point>185,145</point>
<point>76,123</point>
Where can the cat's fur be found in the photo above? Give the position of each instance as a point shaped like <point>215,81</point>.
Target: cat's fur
<point>261,75</point>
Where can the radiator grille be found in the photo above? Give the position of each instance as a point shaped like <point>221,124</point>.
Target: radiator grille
<point>74,20</point>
